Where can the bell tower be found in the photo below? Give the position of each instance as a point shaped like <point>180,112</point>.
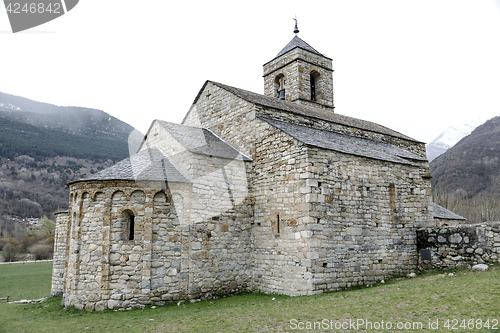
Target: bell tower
<point>300,74</point>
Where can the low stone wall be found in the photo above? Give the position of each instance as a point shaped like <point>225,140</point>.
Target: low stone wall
<point>459,245</point>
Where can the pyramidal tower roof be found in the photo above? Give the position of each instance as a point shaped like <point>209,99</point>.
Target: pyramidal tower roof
<point>297,42</point>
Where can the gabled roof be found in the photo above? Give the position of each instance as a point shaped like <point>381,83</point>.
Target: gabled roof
<point>308,111</point>
<point>202,141</point>
<point>147,165</point>
<point>443,213</point>
<point>297,42</point>
<point>345,143</point>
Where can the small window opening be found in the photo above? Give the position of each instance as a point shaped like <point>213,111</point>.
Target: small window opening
<point>279,85</point>
<point>313,88</point>
<point>278,223</point>
<point>392,202</point>
<point>313,80</point>
<point>130,225</point>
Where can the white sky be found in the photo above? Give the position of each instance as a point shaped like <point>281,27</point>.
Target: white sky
<point>416,66</point>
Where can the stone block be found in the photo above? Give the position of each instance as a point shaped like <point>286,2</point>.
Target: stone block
<point>134,257</point>
<point>306,234</point>
<point>100,306</point>
<point>312,182</point>
<point>112,304</point>
<point>354,231</point>
<point>156,283</point>
<point>480,267</point>
<point>114,259</point>
<point>455,238</point>
<point>305,263</point>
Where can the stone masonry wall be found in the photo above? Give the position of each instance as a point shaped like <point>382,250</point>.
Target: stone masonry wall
<point>363,218</point>
<point>226,115</point>
<point>280,235</point>
<point>167,260</point>
<point>218,184</point>
<point>285,185</point>
<point>460,245</point>
<point>60,241</point>
<point>98,235</point>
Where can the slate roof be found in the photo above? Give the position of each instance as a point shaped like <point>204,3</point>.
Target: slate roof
<point>149,164</point>
<point>297,42</point>
<point>443,213</point>
<point>308,111</point>
<point>345,143</point>
<point>202,141</point>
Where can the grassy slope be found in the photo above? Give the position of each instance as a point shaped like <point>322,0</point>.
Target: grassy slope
<point>429,297</point>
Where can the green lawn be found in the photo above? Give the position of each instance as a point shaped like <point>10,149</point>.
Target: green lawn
<point>25,281</point>
<point>433,298</point>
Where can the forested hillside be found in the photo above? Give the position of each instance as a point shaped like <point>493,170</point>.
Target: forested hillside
<point>17,138</point>
<point>43,147</point>
<point>466,178</point>
<point>69,119</point>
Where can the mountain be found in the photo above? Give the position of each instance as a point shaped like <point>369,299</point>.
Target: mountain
<point>447,139</point>
<point>466,178</point>
<point>45,130</point>
<point>473,164</point>
<point>44,146</point>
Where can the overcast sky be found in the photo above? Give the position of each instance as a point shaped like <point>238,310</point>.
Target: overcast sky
<point>416,66</point>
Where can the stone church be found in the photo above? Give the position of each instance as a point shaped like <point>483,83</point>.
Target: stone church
<point>274,192</point>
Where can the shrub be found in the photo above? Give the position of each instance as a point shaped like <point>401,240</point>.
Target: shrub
<point>28,241</point>
<point>41,252</point>
<point>10,250</point>
<point>24,159</point>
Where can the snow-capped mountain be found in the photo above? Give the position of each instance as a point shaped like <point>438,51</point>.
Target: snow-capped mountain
<point>447,139</point>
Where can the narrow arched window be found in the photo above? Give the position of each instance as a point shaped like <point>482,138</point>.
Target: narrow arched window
<point>279,86</point>
<point>313,88</point>
<point>131,224</point>
<point>314,80</point>
<point>131,227</point>
<point>129,220</point>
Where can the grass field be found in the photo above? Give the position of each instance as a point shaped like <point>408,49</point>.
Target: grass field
<point>430,298</point>
<point>25,281</point>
